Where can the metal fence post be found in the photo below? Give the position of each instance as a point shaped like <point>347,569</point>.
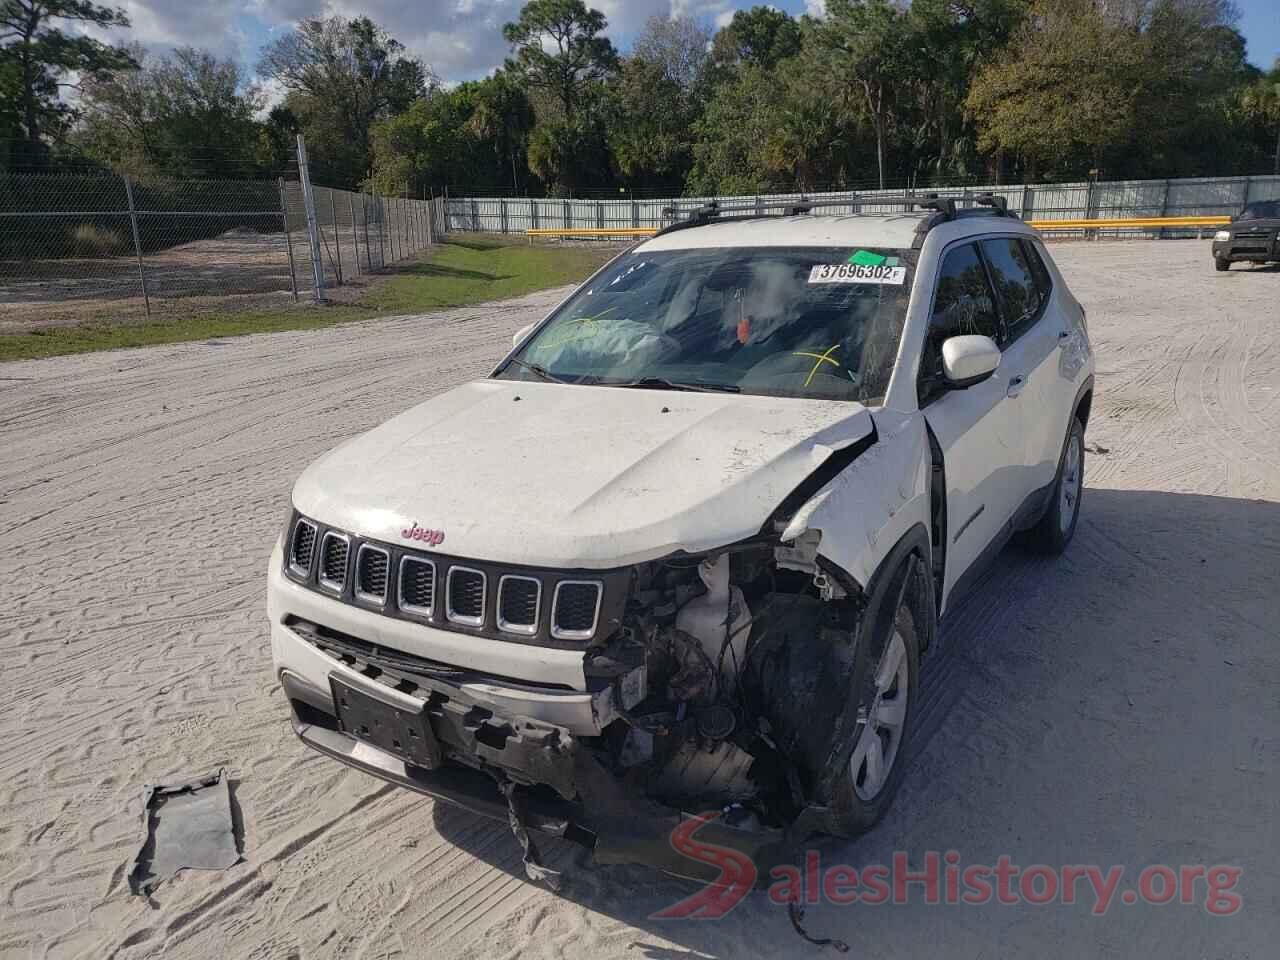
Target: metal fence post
<point>391,226</point>
<point>364,213</point>
<point>355,235</point>
<point>288,238</point>
<point>313,226</point>
<point>1164,208</point>
<point>382,232</point>
<point>337,235</point>
<point>137,245</point>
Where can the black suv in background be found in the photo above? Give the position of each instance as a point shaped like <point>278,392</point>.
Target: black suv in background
<point>1254,235</point>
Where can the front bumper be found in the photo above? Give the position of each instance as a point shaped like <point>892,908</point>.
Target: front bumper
<point>1245,249</point>
<point>523,732</point>
<point>603,816</point>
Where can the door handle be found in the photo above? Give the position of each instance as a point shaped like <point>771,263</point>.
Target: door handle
<point>1015,387</point>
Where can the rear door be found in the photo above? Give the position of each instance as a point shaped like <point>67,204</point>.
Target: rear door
<point>979,429</point>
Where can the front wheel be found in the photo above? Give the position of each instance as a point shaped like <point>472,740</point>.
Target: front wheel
<point>865,787</point>
<point>1222,266</point>
<point>1058,525</point>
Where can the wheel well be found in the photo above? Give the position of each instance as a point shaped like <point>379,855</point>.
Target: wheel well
<point>1083,408</point>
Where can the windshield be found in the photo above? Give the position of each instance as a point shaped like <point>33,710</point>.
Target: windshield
<point>1267,210</point>
<point>778,321</point>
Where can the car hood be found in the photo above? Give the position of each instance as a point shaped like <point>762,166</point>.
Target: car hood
<point>1253,226</point>
<point>576,476</point>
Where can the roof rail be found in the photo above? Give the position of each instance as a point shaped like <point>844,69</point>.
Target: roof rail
<point>945,207</point>
<point>997,203</point>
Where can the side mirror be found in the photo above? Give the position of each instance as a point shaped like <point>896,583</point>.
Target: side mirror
<point>968,360</point>
<point>522,334</point>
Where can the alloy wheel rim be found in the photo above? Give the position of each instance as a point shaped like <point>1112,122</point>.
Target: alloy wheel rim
<point>1072,480</point>
<point>885,722</point>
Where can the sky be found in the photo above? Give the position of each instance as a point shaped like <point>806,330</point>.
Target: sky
<point>462,39</point>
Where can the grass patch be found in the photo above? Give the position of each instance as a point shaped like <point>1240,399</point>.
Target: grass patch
<point>463,271</point>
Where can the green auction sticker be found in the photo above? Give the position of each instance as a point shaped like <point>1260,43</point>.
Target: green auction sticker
<point>865,258</point>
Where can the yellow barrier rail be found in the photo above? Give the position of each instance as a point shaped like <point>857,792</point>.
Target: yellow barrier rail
<point>1112,223</point>
<point>585,233</point>
<point>1121,222</point>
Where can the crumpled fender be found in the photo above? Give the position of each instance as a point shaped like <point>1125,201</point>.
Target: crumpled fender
<point>870,505</point>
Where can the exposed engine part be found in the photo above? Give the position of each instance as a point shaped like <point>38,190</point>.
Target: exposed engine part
<point>719,620</point>
<point>716,722</point>
<point>698,671</point>
<point>695,772</point>
<point>693,678</point>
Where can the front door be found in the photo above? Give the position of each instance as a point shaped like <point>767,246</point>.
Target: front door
<point>980,428</point>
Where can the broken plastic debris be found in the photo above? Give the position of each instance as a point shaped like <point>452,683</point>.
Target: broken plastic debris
<point>186,826</point>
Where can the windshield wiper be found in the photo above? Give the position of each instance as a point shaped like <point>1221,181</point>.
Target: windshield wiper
<point>540,372</point>
<point>658,383</point>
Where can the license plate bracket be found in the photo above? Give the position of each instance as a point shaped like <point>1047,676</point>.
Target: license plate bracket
<point>405,733</point>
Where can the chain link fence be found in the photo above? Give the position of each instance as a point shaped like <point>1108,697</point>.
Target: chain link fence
<point>76,247</point>
<point>359,233</point>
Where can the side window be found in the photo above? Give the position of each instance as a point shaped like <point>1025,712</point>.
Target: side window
<point>1038,270</point>
<point>962,304</point>
<point>1020,295</point>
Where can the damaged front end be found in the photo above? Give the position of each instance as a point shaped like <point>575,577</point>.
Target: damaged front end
<point>724,689</point>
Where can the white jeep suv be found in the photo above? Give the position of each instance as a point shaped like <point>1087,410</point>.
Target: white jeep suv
<point>685,547</point>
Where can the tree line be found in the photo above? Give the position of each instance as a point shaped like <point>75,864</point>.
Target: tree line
<point>874,92</point>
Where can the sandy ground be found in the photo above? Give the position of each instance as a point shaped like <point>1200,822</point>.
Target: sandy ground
<point>1116,706</point>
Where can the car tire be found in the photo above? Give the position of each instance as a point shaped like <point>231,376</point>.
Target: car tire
<point>1058,525</point>
<point>1221,265</point>
<point>862,795</point>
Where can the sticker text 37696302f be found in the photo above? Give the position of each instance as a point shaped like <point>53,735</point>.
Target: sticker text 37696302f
<point>857,273</point>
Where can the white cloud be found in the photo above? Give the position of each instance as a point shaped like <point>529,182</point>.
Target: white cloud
<point>816,8</point>
<point>458,39</point>
<point>162,24</point>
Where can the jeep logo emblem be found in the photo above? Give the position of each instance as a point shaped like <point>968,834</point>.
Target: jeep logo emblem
<point>432,538</point>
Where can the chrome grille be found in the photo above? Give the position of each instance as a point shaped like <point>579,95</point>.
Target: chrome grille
<point>334,549</point>
<point>372,568</point>
<point>523,605</point>
<point>518,601</point>
<point>302,550</point>
<point>575,610</point>
<point>417,586</point>
<point>465,596</point>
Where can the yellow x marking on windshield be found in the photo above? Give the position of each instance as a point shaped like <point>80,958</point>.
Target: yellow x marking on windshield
<point>821,358</point>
